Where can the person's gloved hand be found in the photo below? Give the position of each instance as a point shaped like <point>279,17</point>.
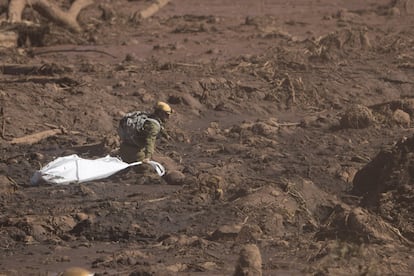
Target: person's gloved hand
<point>166,136</point>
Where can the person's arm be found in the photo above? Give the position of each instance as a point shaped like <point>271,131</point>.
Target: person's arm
<point>164,134</point>
<point>151,131</point>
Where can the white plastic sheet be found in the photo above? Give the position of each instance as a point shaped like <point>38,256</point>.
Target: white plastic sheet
<point>74,169</point>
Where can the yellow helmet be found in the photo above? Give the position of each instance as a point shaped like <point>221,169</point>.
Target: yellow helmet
<point>162,106</point>
<point>76,271</point>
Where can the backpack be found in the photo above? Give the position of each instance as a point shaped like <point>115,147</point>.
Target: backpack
<point>131,125</point>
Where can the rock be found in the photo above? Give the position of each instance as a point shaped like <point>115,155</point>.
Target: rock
<point>212,181</point>
<point>175,268</point>
<point>226,232</point>
<point>347,174</point>
<point>86,191</point>
<point>8,39</point>
<point>128,257</point>
<point>29,240</point>
<point>401,118</point>
<point>174,178</point>
<point>192,102</point>
<point>208,266</point>
<point>357,116</point>
<point>38,232</point>
<point>234,149</point>
<point>181,240</point>
<point>168,162</point>
<point>63,259</point>
<point>274,225</point>
<point>249,262</point>
<point>264,129</point>
<point>81,216</point>
<point>407,105</point>
<point>81,227</point>
<point>63,223</point>
<point>120,84</point>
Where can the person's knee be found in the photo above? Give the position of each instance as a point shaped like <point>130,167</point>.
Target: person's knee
<point>130,153</point>
<point>144,168</point>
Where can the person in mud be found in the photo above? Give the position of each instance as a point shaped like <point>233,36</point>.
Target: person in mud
<point>138,133</point>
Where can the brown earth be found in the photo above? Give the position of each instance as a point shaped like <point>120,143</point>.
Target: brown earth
<point>279,104</point>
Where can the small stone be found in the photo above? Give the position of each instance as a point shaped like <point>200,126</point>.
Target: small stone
<point>63,259</point>
<point>249,262</point>
<point>76,271</point>
<point>401,118</point>
<point>174,178</point>
<point>37,156</point>
<point>81,216</point>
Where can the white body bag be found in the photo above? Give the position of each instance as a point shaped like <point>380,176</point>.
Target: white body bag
<point>74,169</point>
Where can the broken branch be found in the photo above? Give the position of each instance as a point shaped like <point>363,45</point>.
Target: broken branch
<point>150,10</point>
<point>44,69</point>
<point>3,129</point>
<point>49,10</point>
<point>287,124</point>
<point>3,126</point>
<point>73,50</point>
<point>37,137</point>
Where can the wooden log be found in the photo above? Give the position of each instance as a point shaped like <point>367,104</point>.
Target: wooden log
<point>43,69</point>
<point>63,82</point>
<point>36,137</point>
<point>18,69</point>
<point>50,10</point>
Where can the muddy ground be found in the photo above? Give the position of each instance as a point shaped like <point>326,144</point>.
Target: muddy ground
<point>292,132</point>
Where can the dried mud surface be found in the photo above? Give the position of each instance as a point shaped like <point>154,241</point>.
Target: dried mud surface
<point>292,132</point>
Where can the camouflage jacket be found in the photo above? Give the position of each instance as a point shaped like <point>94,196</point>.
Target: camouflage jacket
<point>149,134</point>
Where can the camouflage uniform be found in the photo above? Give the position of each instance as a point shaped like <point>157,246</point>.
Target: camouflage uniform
<point>144,144</point>
<point>138,137</point>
